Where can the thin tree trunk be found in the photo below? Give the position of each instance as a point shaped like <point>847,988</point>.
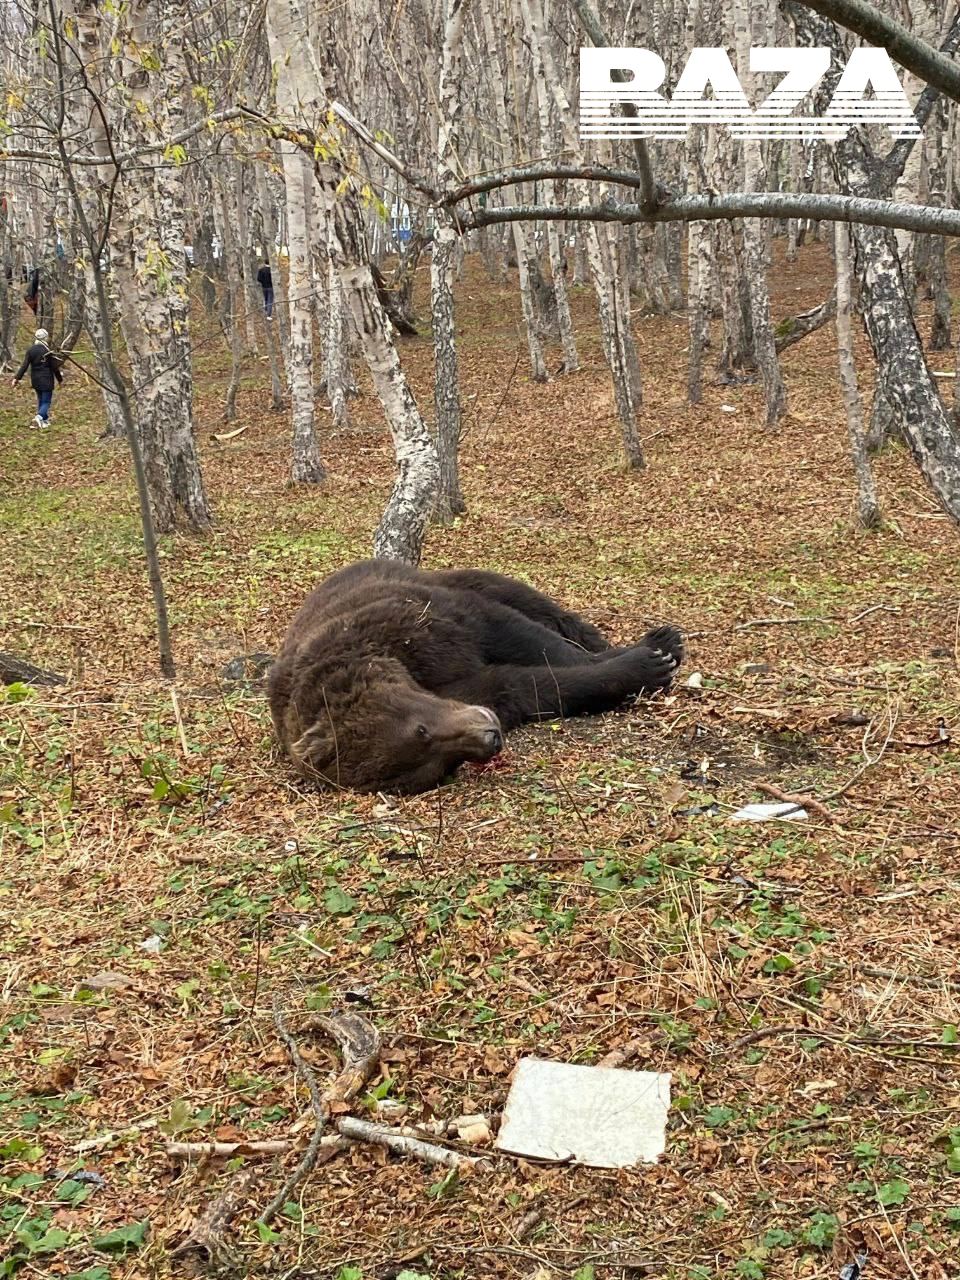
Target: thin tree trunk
<point>233,270</point>
<point>269,225</point>
<point>520,231</point>
<point>868,507</point>
<point>306,466</point>
<point>571,359</point>
<point>614,326</point>
<point>446,389</point>
<point>153,305</point>
<point>338,376</point>
<point>754,240</point>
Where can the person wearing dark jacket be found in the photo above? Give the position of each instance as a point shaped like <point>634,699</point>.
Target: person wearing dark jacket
<point>43,367</point>
<point>265,281</point>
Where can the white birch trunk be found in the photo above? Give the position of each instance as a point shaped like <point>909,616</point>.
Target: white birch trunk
<point>149,275</point>
<point>571,358</point>
<point>520,231</point>
<point>868,507</point>
<point>403,525</point>
<point>617,338</point>
<point>754,239</point>
<point>337,362</point>
<point>269,228</point>
<point>446,389</point>
<point>295,94</point>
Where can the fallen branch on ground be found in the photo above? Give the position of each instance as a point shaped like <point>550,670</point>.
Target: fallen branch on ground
<point>784,622</point>
<point>404,1144</point>
<point>359,1043</point>
<point>801,801</point>
<point>914,979</point>
<point>276,1147</point>
<point>14,670</point>
<point>207,1232</point>
<point>797,327</point>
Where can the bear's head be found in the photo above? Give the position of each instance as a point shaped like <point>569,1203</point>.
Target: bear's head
<point>388,735</point>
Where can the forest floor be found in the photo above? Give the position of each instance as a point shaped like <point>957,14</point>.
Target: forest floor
<point>798,979</point>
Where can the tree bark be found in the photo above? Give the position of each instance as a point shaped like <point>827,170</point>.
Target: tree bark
<point>149,273</point>
<point>446,389</point>
<point>755,241</point>
<point>296,95</point>
<point>868,507</point>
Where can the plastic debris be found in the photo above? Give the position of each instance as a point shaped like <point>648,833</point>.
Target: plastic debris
<point>767,812</point>
<point>603,1117</point>
<point>855,1270</point>
<point>153,945</point>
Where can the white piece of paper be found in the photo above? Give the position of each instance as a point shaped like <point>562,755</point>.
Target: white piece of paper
<point>604,1117</point>
<point>764,813</point>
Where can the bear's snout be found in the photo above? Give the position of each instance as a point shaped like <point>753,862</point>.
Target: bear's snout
<point>484,728</point>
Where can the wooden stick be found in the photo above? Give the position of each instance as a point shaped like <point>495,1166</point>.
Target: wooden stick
<point>179,719</point>
<point>277,1147</point>
<point>403,1144</point>
<point>784,622</point>
<point>801,801</point>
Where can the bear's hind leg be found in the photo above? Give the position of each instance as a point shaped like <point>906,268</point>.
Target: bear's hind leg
<point>519,694</point>
<point>526,600</point>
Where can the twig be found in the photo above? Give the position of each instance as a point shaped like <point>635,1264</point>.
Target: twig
<point>403,1144</point>
<point>179,719</point>
<point>878,1042</point>
<point>785,622</point>
<point>275,1147</point>
<point>801,801</point>
<point>868,764</point>
<point>320,1112</point>
<point>914,979</point>
<point>874,608</point>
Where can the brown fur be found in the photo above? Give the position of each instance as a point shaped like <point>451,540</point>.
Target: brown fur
<point>389,677</point>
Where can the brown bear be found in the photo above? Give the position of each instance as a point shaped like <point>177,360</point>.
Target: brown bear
<point>391,677</point>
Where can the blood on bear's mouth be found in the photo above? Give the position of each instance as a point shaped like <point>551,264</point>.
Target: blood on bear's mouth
<point>499,761</point>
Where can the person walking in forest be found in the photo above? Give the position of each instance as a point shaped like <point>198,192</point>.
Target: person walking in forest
<point>265,281</point>
<point>44,367</point>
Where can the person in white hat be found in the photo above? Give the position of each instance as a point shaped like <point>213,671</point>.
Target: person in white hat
<point>44,367</point>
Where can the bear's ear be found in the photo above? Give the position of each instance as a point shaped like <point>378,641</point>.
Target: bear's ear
<point>315,753</point>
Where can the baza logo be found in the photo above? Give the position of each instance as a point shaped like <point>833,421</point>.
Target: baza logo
<point>653,116</point>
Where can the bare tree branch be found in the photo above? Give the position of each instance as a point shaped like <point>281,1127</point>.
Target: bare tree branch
<point>713,208</point>
<point>902,45</point>
<point>651,194</point>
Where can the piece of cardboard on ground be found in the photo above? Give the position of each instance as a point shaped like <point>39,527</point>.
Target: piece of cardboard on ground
<point>604,1117</point>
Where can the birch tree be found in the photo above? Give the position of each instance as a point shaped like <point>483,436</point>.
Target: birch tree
<point>297,100</point>
<point>401,531</point>
<point>617,337</point>
<point>868,507</point>
<point>148,259</point>
<point>755,239</point>
<point>446,392</point>
<point>520,231</point>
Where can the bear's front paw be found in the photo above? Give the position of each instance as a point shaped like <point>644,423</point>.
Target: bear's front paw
<point>649,669</point>
<point>666,640</point>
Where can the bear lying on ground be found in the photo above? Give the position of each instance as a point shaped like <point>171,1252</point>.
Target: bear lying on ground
<point>391,677</point>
